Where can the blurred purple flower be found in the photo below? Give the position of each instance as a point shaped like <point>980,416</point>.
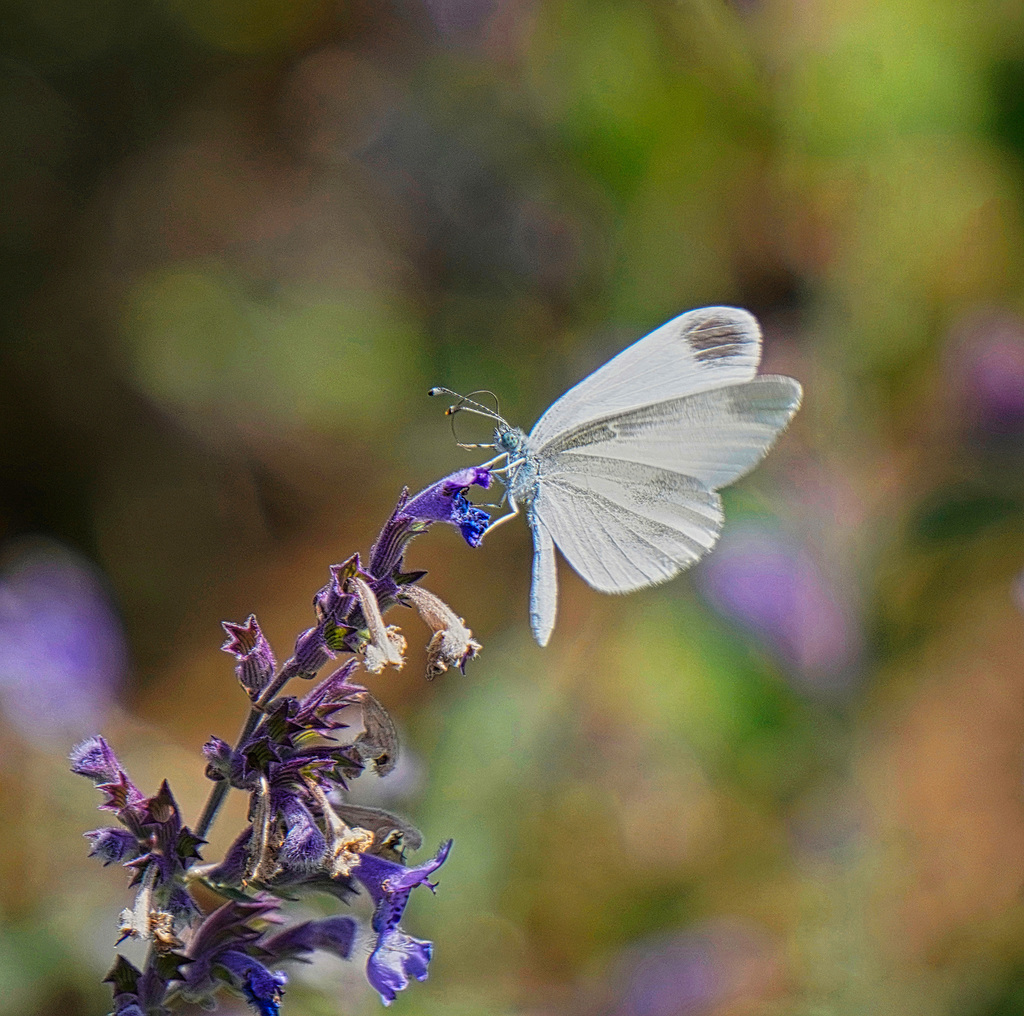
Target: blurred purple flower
<point>497,30</point>
<point>987,372</point>
<point>62,649</point>
<point>770,585</point>
<point>460,17</point>
<point>691,972</point>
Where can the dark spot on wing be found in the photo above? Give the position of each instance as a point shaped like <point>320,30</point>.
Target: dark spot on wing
<point>717,339</point>
<point>722,352</point>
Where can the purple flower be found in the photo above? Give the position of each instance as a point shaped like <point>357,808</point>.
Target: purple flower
<point>332,602</point>
<point>95,759</point>
<point>222,762</point>
<point>158,823</point>
<point>294,758</point>
<point>232,941</point>
<point>304,845</point>
<point>445,501</point>
<point>331,934</point>
<point>260,987</point>
<point>62,649</point>
<point>221,941</point>
<point>154,843</point>
<point>770,585</point>
<point>256,661</point>
<point>317,708</point>
<point>397,956</point>
<point>311,652</point>
<point>112,844</point>
<point>692,972</point>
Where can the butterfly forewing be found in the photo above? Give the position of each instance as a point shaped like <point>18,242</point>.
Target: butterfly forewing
<point>698,350</point>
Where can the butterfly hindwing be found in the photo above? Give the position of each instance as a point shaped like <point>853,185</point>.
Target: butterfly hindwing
<point>618,537</point>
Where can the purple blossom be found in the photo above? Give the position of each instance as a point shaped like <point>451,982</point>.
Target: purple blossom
<point>311,652</point>
<point>260,987</point>
<point>165,844</point>
<point>769,584</point>
<point>256,661</point>
<point>223,762</point>
<point>691,972</point>
<point>112,844</point>
<point>318,707</point>
<point>445,501</point>
<point>95,759</point>
<point>397,955</point>
<point>332,602</point>
<point>304,845</point>
<point>225,934</point>
<point>331,934</point>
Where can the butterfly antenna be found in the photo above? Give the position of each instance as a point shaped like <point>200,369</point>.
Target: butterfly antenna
<point>466,404</point>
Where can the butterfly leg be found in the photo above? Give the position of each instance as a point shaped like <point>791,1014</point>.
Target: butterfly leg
<point>508,467</point>
<point>488,464</point>
<point>497,522</point>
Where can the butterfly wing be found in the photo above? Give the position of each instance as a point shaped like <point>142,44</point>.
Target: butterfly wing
<point>625,525</point>
<point>629,462</point>
<point>715,436</point>
<point>698,350</point>
<point>631,500</point>
<point>544,590</point>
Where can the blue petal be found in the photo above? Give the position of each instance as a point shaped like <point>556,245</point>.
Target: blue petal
<point>398,957</point>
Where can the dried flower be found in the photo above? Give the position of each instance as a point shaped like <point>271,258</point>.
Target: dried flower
<point>385,645</point>
<point>453,644</point>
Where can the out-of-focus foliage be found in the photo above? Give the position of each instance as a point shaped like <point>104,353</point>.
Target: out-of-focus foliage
<point>239,241</point>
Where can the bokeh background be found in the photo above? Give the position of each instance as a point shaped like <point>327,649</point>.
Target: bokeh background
<point>241,238</point>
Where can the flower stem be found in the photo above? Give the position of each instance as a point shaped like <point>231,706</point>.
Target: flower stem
<point>221,787</point>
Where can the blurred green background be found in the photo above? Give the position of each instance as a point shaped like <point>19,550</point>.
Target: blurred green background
<point>241,238</point>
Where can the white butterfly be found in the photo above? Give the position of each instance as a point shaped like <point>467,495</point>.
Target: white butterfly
<point>622,472</point>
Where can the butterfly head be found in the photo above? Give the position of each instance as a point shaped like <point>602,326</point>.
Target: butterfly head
<point>509,440</point>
